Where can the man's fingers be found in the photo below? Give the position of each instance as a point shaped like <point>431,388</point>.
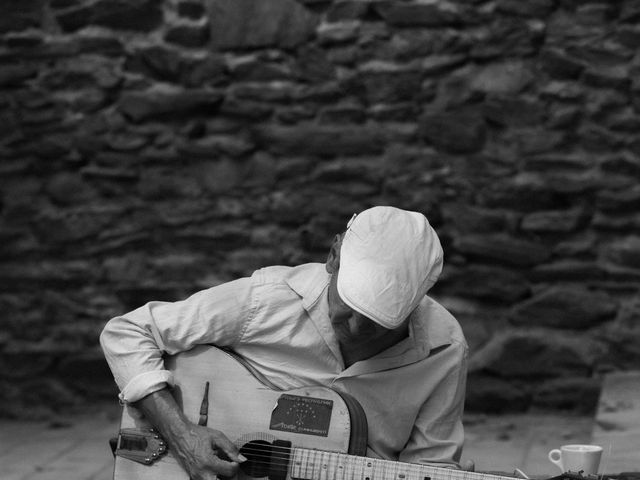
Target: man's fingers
<point>224,468</point>
<point>227,450</point>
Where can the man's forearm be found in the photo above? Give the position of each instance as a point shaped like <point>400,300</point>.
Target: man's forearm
<point>202,451</point>
<point>162,411</point>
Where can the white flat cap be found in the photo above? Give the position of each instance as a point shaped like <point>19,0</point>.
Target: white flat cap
<point>389,259</point>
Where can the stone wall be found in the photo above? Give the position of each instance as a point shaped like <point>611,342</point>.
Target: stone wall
<point>150,149</point>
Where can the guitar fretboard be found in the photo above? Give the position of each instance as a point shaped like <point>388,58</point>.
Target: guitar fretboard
<point>307,464</point>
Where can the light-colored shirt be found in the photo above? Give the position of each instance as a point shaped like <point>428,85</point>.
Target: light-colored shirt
<point>278,320</point>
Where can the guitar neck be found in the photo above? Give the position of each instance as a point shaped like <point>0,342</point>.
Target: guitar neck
<point>308,464</point>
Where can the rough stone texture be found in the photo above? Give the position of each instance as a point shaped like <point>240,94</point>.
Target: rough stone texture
<point>153,148</point>
<point>565,307</point>
<point>535,354</point>
<point>489,394</point>
<point>241,24</point>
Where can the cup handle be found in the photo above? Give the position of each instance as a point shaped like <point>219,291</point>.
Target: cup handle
<point>555,457</point>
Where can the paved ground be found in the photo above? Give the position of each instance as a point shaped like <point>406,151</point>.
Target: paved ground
<point>75,447</point>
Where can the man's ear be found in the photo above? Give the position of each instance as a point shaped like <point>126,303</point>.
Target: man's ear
<point>333,259</point>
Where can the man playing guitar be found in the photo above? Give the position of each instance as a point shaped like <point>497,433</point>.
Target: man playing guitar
<point>360,324</point>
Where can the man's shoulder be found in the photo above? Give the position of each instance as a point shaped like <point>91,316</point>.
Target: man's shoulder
<point>306,282</point>
<point>440,324</point>
<point>277,274</point>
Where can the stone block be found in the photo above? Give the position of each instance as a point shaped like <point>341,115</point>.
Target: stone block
<point>161,184</point>
<point>89,373</point>
<point>168,105</point>
<point>616,201</point>
<point>70,189</point>
<point>342,114</point>
<point>22,365</point>
<point>134,15</point>
<point>534,8</point>
<point>76,223</point>
<point>157,61</point>
<point>423,13</point>
<point>623,337</point>
<point>538,354</point>
<point>332,33</point>
<point>243,24</point>
<point>213,146</point>
<point>454,132</point>
<point>348,10</point>
<point>555,221</point>
<point>313,66</point>
<point>254,69</point>
<point>629,36</point>
<point>489,283</point>
<point>575,394</point>
<point>616,77</point>
<point>490,394</point>
<point>506,38</point>
<point>547,162</point>
<point>19,15</point>
<point>192,10</point>
<point>190,36</point>
<point>559,64</point>
<point>505,77</point>
<point>210,70</point>
<point>325,141</point>
<point>566,307</point>
<point>245,109</point>
<point>435,65</point>
<point>624,252</point>
<point>16,75</point>
<point>473,219</point>
<point>386,82</point>
<point>503,249</point>
<point>513,111</point>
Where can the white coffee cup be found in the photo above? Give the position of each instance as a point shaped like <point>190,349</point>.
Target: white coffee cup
<point>577,458</point>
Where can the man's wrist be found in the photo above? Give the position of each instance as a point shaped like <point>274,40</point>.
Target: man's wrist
<point>164,414</point>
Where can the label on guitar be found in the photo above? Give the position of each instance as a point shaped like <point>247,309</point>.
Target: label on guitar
<point>306,415</point>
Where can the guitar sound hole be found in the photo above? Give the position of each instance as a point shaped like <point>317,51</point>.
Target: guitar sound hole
<point>258,453</point>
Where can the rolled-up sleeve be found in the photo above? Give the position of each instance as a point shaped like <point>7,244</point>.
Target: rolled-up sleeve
<point>134,343</point>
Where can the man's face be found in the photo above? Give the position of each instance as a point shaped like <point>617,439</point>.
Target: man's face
<point>351,327</point>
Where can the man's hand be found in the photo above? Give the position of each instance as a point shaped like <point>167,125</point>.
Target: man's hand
<point>202,451</point>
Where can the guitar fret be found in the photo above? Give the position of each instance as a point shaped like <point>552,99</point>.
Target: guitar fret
<point>315,466</point>
<point>333,466</point>
<point>322,466</point>
<point>309,464</point>
<point>348,468</point>
<point>305,465</point>
<point>368,469</point>
<point>343,467</point>
<point>297,463</point>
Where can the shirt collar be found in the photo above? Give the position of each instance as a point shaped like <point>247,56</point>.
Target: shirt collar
<point>310,282</point>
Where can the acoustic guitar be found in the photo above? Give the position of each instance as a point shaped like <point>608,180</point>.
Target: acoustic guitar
<point>311,433</point>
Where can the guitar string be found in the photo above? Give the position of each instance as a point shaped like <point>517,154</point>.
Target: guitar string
<point>352,460</point>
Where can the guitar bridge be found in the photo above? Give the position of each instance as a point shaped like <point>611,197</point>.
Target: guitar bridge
<point>142,446</point>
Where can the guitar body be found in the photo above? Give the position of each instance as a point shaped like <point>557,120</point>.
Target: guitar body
<point>311,433</point>
<point>245,409</point>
